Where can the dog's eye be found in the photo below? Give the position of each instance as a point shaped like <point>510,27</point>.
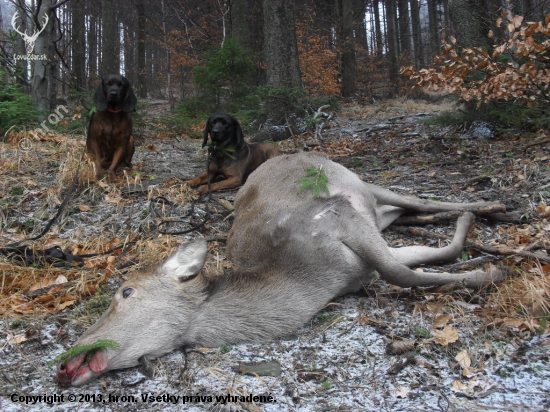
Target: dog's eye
<point>127,292</point>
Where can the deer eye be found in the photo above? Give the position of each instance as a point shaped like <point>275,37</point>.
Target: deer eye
<point>127,292</point>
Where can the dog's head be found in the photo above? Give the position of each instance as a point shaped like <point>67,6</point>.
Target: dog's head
<point>115,95</point>
<point>223,128</point>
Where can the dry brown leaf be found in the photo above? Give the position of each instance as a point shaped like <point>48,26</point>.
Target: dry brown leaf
<point>113,199</point>
<point>14,339</point>
<point>226,204</point>
<point>21,305</point>
<point>446,336</point>
<point>434,307</point>
<point>468,372</point>
<point>458,386</point>
<point>543,209</point>
<point>441,321</point>
<point>48,282</point>
<point>63,305</point>
<point>84,208</point>
<point>463,358</point>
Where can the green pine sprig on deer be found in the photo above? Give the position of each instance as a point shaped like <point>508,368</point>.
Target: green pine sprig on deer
<point>222,150</point>
<point>78,350</point>
<point>316,180</point>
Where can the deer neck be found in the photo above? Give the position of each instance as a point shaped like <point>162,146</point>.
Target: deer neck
<point>257,312</point>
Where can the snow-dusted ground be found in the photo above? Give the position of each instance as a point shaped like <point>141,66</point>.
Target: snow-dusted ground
<point>342,368</point>
<point>325,366</point>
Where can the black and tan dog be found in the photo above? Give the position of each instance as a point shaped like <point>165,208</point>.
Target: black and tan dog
<point>110,142</point>
<point>231,156</point>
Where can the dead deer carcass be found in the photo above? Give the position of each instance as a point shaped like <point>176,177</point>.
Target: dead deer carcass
<point>292,254</point>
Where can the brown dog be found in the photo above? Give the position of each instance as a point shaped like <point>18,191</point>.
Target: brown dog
<point>231,156</point>
<point>110,142</point>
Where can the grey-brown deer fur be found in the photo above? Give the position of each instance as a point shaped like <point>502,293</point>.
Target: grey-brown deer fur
<point>292,254</point>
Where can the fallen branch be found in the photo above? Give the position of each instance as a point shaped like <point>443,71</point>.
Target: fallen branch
<point>320,124</point>
<point>536,144</point>
<point>470,264</point>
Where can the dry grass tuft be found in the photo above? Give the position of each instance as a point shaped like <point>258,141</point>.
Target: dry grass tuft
<point>524,297</point>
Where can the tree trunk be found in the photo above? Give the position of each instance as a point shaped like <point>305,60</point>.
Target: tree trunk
<point>446,19</point>
<point>21,65</point>
<point>43,79</point>
<point>77,44</point>
<point>468,18</point>
<point>392,50</point>
<point>404,29</point>
<point>246,28</point>
<point>417,34</point>
<point>110,57</point>
<point>92,45</point>
<point>141,40</point>
<point>433,27</point>
<point>360,24</point>
<point>168,57</point>
<point>348,59</point>
<point>281,49</point>
<point>377,28</point>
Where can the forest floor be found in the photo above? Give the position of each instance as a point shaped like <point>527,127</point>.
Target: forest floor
<point>390,349</point>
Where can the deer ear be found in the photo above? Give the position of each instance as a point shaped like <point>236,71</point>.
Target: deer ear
<point>100,99</point>
<point>187,260</point>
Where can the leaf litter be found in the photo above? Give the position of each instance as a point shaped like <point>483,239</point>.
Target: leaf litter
<point>453,350</point>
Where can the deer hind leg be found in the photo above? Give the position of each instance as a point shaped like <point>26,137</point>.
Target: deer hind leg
<point>416,255</point>
<point>393,264</point>
<point>386,197</point>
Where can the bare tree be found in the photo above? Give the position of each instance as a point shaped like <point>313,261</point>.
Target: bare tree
<point>110,52</point>
<point>246,28</point>
<point>404,28</point>
<point>417,33</point>
<point>392,46</point>
<point>281,48</point>
<point>78,48</point>
<point>141,44</point>
<point>468,18</point>
<point>348,59</point>
<point>377,28</point>
<point>43,86</point>
<point>433,24</point>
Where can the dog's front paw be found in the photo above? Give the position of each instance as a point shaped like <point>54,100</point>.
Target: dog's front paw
<point>203,189</point>
<point>112,177</point>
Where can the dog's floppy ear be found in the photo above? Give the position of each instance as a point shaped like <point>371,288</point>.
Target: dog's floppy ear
<point>238,133</point>
<point>100,100</point>
<point>130,101</point>
<point>206,132</point>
